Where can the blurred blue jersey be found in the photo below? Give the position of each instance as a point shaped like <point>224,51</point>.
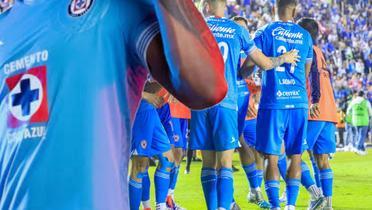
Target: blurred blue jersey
<point>232,39</point>
<point>71,76</point>
<point>285,86</point>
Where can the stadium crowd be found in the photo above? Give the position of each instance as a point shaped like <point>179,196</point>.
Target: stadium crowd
<point>346,41</point>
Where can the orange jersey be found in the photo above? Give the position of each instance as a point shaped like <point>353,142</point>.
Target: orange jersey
<point>178,109</point>
<point>327,103</point>
<point>163,93</point>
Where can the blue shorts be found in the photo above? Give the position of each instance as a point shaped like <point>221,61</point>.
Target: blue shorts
<point>250,132</point>
<point>321,137</point>
<point>275,126</point>
<point>243,103</point>
<point>214,129</point>
<point>148,135</point>
<point>180,132</point>
<point>165,118</point>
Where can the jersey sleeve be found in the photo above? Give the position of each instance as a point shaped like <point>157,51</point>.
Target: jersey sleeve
<point>143,32</point>
<point>314,78</point>
<point>310,54</point>
<point>259,38</point>
<point>247,43</point>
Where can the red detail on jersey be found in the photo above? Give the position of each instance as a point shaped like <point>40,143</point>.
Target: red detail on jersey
<point>42,113</point>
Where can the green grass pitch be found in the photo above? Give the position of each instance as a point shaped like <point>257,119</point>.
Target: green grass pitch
<point>352,185</point>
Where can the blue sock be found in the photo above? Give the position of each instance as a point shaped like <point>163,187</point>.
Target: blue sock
<point>293,187</point>
<point>173,177</point>
<point>316,172</point>
<point>282,165</point>
<point>272,191</point>
<point>326,178</point>
<point>135,192</point>
<point>146,187</point>
<point>225,188</point>
<point>251,173</point>
<point>161,181</point>
<point>209,183</point>
<point>259,177</point>
<point>306,178</point>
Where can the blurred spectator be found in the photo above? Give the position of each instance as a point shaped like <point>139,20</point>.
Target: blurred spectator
<point>346,27</point>
<point>360,111</point>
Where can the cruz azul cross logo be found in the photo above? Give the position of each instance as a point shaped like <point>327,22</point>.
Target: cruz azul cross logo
<point>79,7</point>
<point>27,99</point>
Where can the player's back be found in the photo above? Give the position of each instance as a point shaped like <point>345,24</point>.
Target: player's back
<point>285,86</point>
<point>70,80</point>
<point>231,39</point>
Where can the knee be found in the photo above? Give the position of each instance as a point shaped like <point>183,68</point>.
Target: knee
<point>225,158</point>
<point>178,155</point>
<point>139,166</point>
<point>166,162</point>
<point>323,161</point>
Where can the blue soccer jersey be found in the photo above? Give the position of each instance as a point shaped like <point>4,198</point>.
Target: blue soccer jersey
<point>285,86</point>
<point>71,76</point>
<point>232,39</point>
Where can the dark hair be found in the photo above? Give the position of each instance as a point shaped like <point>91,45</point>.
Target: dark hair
<point>361,93</point>
<point>240,18</point>
<point>281,4</point>
<point>310,25</point>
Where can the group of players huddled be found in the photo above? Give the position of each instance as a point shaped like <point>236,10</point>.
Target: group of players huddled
<point>279,104</point>
<point>71,78</point>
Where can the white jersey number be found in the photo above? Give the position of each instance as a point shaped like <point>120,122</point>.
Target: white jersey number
<point>224,48</point>
<point>281,50</point>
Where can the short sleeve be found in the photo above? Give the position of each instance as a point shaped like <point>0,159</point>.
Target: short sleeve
<point>310,54</point>
<point>140,36</point>
<point>259,38</point>
<point>248,45</point>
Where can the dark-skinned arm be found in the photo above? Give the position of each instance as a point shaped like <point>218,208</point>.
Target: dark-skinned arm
<point>186,59</point>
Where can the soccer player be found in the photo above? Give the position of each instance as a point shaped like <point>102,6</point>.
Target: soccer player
<point>214,130</point>
<point>283,110</point>
<point>71,77</point>
<point>322,118</point>
<point>180,116</point>
<point>246,96</point>
<point>148,142</point>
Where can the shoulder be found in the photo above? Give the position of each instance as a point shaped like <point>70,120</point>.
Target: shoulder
<point>262,30</point>
<point>304,31</point>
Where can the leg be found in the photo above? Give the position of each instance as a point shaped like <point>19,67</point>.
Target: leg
<point>260,166</point>
<point>362,135</point>
<point>162,178</point>
<point>307,181</point>
<point>146,191</point>
<point>316,170</point>
<point>247,158</point>
<point>294,143</point>
<point>189,156</point>
<point>209,179</point>
<point>293,179</point>
<point>225,187</point>
<point>326,177</point>
<point>139,168</point>
<point>272,183</point>
<point>270,132</point>
<point>324,146</point>
<point>178,155</point>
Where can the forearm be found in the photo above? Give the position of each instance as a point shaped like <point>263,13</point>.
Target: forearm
<point>191,52</point>
<point>264,62</point>
<point>274,62</point>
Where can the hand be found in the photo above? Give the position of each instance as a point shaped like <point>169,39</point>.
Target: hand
<point>291,57</point>
<point>252,112</point>
<point>314,110</point>
<point>153,99</point>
